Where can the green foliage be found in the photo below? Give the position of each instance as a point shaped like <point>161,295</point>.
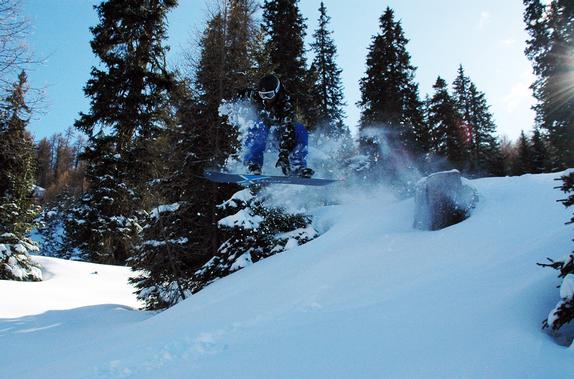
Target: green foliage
<point>448,140</point>
<point>285,28</point>
<point>102,226</point>
<point>130,112</point>
<point>563,312</point>
<point>327,90</point>
<point>540,154</point>
<point>392,127</point>
<point>523,161</point>
<point>252,231</point>
<point>17,173</point>
<point>180,233</point>
<point>481,147</point>
<point>551,31</point>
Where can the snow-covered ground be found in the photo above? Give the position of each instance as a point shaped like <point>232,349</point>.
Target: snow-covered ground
<point>370,298</point>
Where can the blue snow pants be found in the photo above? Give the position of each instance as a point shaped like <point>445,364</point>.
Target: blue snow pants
<point>256,143</point>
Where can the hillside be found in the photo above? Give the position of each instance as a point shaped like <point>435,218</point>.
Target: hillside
<point>370,298</point>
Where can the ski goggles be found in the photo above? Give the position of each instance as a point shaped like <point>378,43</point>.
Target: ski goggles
<point>267,95</point>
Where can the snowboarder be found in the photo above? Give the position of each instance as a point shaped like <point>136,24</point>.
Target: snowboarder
<point>275,112</point>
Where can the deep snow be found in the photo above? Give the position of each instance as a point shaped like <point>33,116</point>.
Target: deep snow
<point>371,297</point>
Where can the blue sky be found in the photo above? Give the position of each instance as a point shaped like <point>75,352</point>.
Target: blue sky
<point>486,37</point>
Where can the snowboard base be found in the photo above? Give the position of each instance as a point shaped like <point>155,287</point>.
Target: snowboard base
<point>248,179</point>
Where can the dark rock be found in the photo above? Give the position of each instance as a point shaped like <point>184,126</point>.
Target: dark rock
<point>441,200</point>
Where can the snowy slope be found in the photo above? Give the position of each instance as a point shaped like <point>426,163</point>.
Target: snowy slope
<point>371,298</point>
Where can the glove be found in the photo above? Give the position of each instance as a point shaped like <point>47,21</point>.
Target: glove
<point>283,162</point>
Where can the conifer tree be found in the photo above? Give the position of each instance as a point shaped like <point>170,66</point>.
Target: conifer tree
<point>286,30</point>
<point>129,113</point>
<point>252,231</point>
<point>462,101</point>
<point>17,175</point>
<point>485,156</point>
<point>540,156</point>
<point>327,90</point>
<point>418,134</point>
<point>523,160</point>
<point>551,30</point>
<point>391,109</point>
<point>180,234</point>
<point>482,148</point>
<point>259,52</point>
<point>563,312</point>
<point>444,123</point>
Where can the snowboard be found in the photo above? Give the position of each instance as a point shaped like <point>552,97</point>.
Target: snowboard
<point>248,179</point>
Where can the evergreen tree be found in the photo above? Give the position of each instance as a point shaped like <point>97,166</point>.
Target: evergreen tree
<point>327,90</point>
<point>424,138</point>
<point>391,114</point>
<point>180,234</point>
<point>252,231</point>
<point>102,225</point>
<point>540,156</point>
<point>17,175</point>
<point>259,52</point>
<point>462,101</point>
<point>551,30</point>
<point>485,155</point>
<point>286,30</point>
<point>129,113</point>
<point>418,134</point>
<point>482,148</point>
<point>523,162</point>
<point>563,312</point>
<point>51,229</point>
<point>444,123</point>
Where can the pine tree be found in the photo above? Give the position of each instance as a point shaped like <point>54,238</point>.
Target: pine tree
<point>551,30</point>
<point>176,235</point>
<point>102,225</point>
<point>462,101</point>
<point>563,312</point>
<point>51,227</point>
<point>327,90</point>
<point>129,113</point>
<point>482,154</point>
<point>540,156</point>
<point>180,234</point>
<point>418,134</point>
<point>523,162</point>
<point>485,155</point>
<point>444,123</point>
<point>391,114</point>
<point>252,231</point>
<point>17,175</point>
<point>286,30</point>
<point>259,52</point>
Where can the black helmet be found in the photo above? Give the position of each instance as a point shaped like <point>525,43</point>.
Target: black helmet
<point>268,87</point>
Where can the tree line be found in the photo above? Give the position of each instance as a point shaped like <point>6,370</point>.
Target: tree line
<point>130,192</point>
